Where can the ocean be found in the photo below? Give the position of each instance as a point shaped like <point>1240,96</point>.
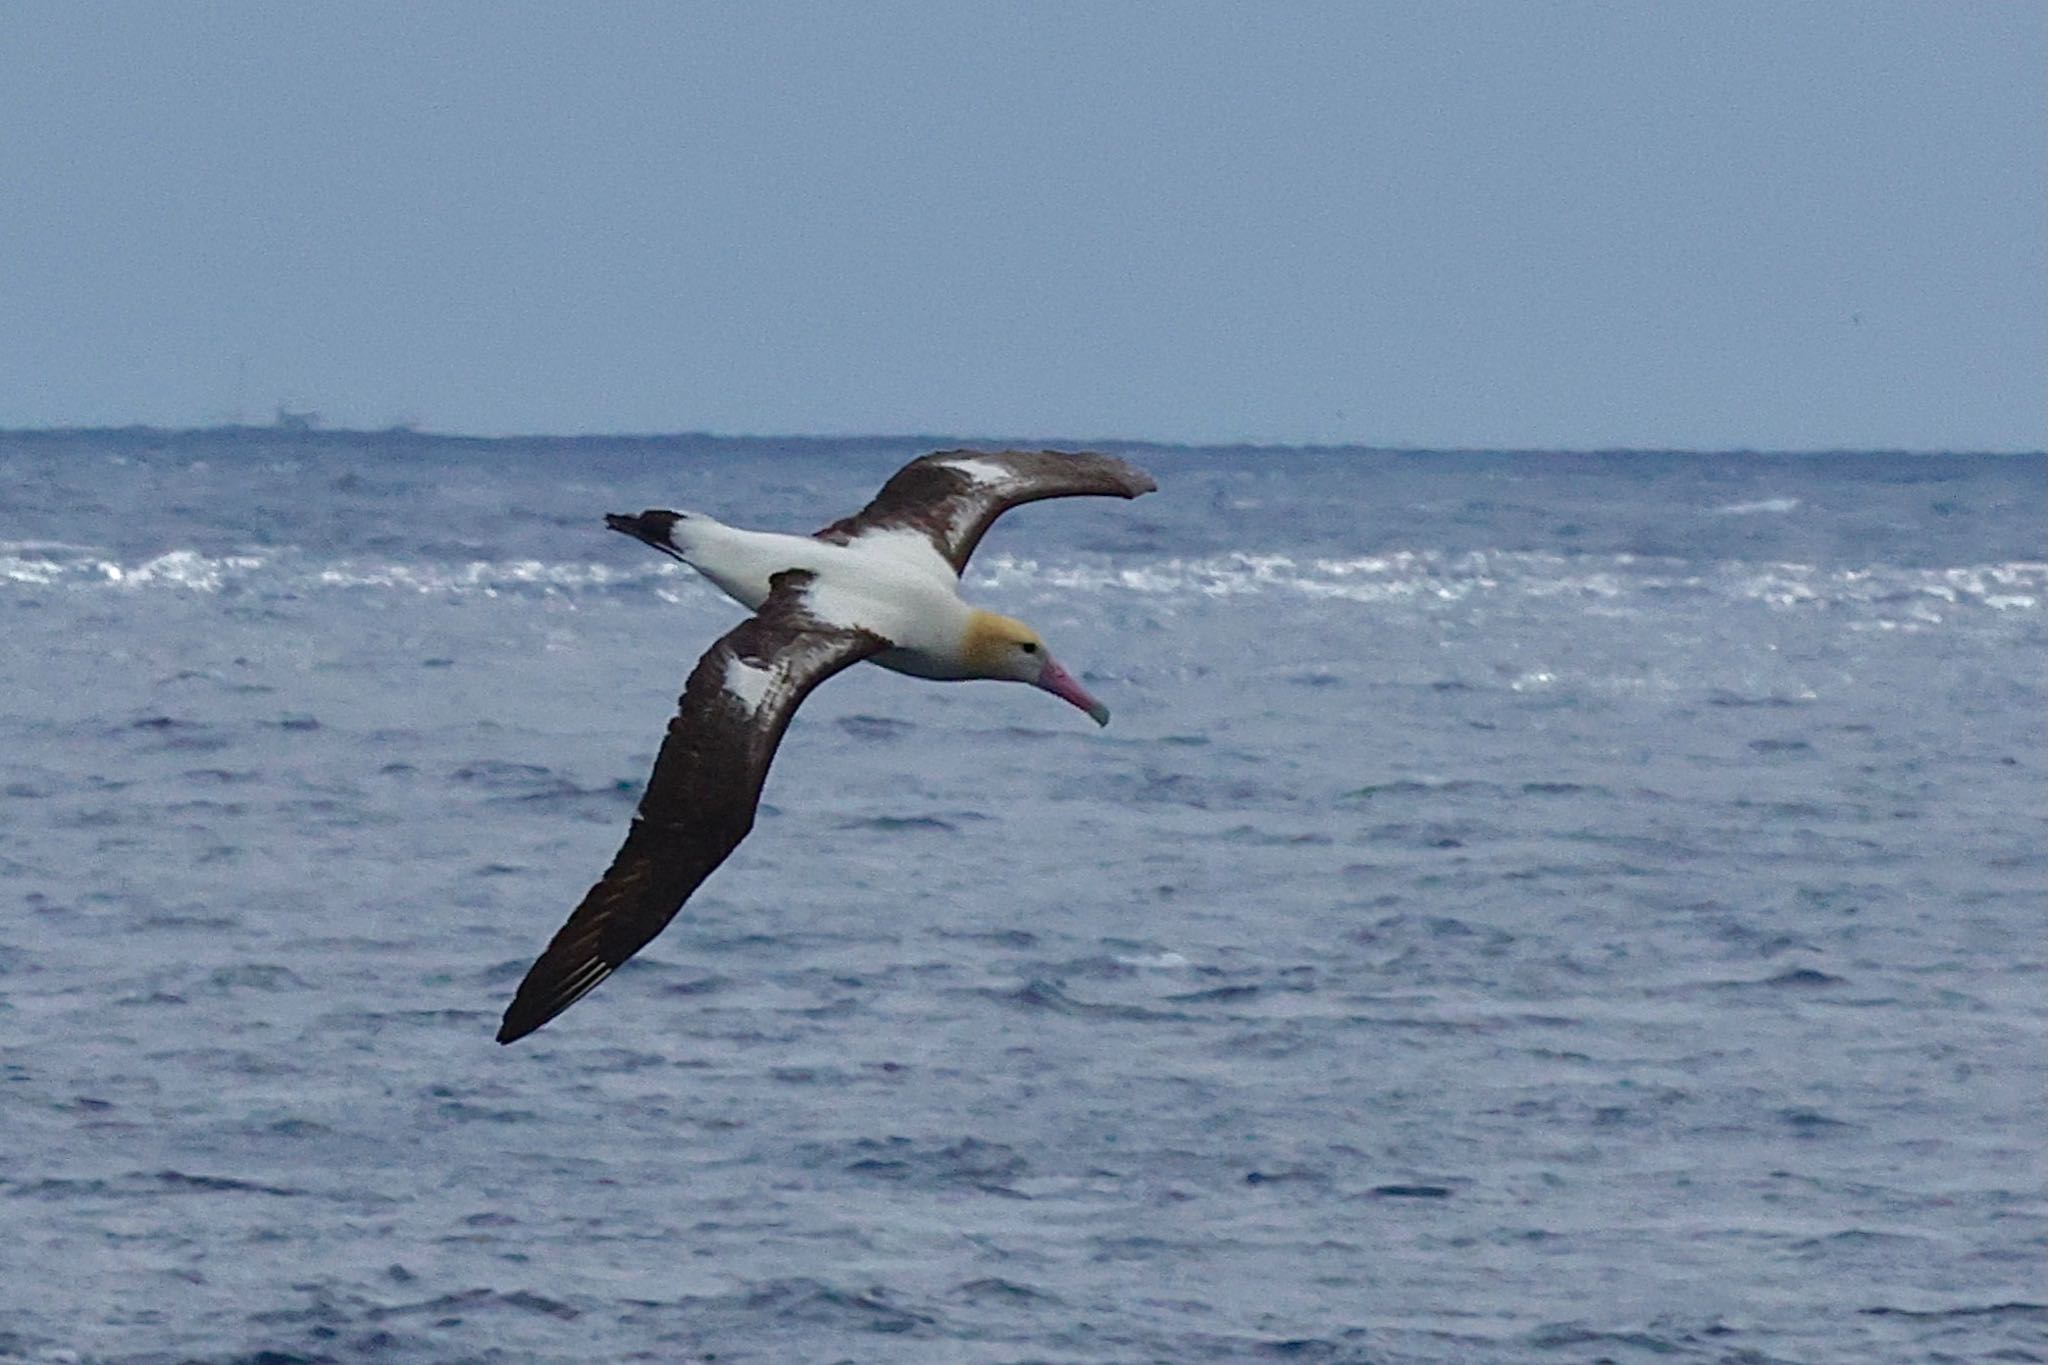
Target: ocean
<point>1525,907</point>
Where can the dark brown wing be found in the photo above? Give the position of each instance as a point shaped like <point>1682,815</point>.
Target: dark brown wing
<point>953,495</point>
<point>701,798</point>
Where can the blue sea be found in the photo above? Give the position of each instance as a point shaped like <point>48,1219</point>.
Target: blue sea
<point>1526,907</point>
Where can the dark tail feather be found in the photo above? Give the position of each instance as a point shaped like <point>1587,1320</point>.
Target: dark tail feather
<point>654,527</point>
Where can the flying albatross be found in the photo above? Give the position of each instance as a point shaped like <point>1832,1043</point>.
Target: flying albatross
<point>881,585</point>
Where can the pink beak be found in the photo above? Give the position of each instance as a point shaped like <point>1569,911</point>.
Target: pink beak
<point>1061,684</point>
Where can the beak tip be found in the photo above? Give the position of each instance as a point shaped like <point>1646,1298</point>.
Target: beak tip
<point>1061,684</point>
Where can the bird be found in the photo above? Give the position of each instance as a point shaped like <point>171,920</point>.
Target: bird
<point>883,586</point>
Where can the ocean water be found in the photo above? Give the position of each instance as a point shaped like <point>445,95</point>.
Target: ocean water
<point>1525,908</point>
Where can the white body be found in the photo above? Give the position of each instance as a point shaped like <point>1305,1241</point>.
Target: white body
<point>890,582</point>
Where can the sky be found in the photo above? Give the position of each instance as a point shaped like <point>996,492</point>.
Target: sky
<point>1571,225</point>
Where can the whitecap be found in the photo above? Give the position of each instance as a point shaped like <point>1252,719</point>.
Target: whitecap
<point>1762,505</point>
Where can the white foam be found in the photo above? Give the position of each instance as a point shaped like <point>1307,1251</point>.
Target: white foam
<point>484,577</point>
<point>20,569</point>
<point>1608,584</point>
<point>181,569</point>
<point>1924,596</point>
<point>15,547</point>
<point>1750,509</point>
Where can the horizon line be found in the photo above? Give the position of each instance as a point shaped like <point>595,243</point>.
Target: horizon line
<point>312,433</point>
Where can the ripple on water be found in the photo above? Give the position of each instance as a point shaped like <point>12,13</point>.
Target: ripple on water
<point>875,729</point>
<point>1049,996</point>
<point>805,1300</point>
<point>906,824</point>
<point>964,1161</point>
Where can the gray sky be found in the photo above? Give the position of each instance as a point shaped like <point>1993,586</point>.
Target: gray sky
<point>1688,224</point>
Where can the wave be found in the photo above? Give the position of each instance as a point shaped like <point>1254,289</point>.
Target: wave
<point>1762,505</point>
<point>51,565</point>
<point>34,563</point>
<point>1424,578</point>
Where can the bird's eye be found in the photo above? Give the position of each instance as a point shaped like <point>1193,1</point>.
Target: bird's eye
<point>1028,647</point>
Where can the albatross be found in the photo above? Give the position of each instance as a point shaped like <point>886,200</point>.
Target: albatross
<point>882,585</point>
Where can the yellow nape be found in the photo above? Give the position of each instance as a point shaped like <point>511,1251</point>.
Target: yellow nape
<point>993,640</point>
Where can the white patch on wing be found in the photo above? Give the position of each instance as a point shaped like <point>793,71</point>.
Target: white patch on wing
<point>830,603</point>
<point>891,550</point>
<point>981,471</point>
<point>747,683</point>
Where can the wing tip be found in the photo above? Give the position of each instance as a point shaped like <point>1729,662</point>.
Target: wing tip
<point>519,1022</point>
<point>548,990</point>
<point>1131,481</point>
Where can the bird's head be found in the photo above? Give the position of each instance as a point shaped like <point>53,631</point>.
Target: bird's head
<point>998,647</point>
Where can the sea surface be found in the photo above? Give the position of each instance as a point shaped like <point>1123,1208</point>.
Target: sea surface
<point>1525,907</point>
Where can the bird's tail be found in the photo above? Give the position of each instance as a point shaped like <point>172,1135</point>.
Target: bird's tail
<point>665,530</point>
